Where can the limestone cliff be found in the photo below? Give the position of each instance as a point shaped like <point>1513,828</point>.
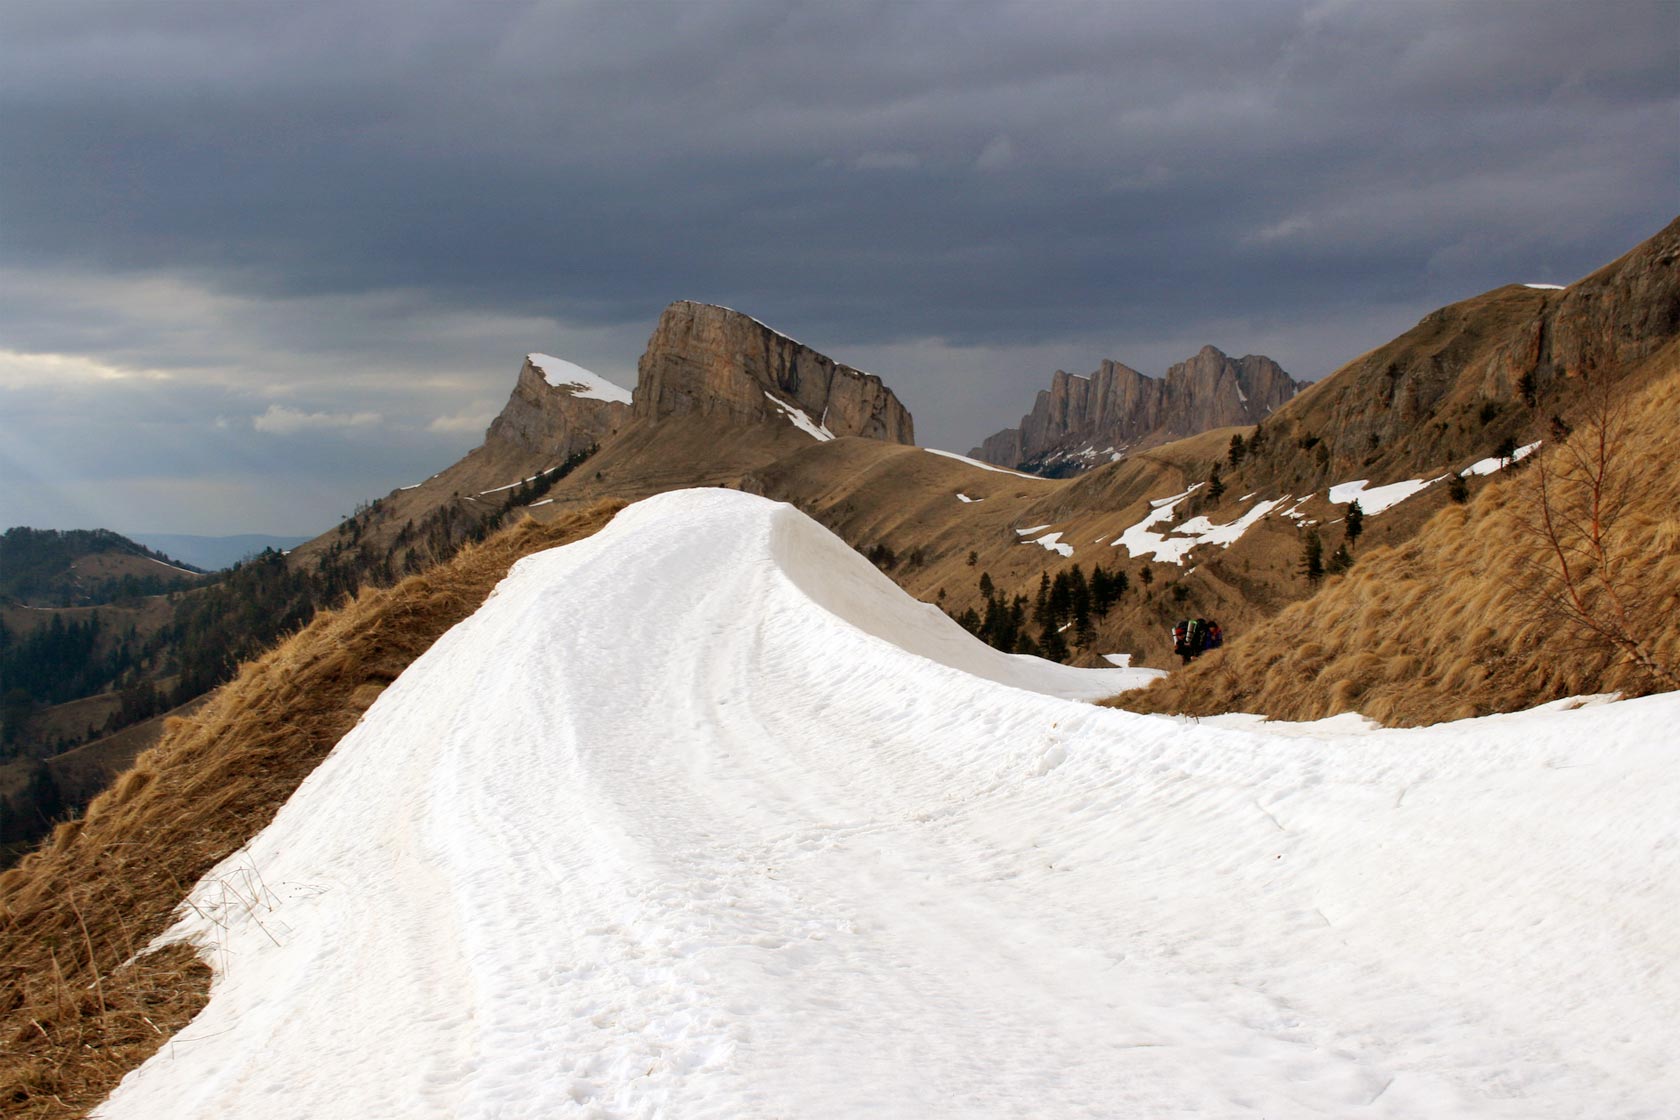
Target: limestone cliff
<point>558,409</point>
<point>1082,421</point>
<point>711,361</point>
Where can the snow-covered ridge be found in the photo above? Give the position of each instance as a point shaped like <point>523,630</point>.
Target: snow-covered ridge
<point>703,816</point>
<point>569,375</point>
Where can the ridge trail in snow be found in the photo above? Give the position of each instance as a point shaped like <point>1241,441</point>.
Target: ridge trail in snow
<point>703,817</point>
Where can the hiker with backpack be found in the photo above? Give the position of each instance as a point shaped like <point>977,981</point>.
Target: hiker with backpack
<point>1193,636</point>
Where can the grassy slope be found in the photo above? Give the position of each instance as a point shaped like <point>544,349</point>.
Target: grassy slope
<point>73,1018</point>
<point>1446,625</point>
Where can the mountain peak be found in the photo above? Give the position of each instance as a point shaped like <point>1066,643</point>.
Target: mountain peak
<point>703,359</point>
<point>559,408</point>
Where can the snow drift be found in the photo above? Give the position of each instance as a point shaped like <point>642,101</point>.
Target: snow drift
<point>703,817</point>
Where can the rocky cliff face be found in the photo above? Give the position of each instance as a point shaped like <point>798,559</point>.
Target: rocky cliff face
<point>711,361</point>
<point>1082,421</point>
<point>557,409</point>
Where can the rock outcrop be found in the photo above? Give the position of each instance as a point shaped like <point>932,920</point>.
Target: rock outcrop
<point>558,409</point>
<point>711,361</point>
<point>1082,421</point>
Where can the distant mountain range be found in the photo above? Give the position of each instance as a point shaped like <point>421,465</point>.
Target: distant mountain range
<point>1084,421</point>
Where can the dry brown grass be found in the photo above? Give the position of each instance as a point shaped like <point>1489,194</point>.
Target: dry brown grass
<point>73,1016</point>
<point>1452,623</point>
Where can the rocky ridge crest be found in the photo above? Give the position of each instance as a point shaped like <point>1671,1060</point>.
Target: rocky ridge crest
<point>1081,421</point>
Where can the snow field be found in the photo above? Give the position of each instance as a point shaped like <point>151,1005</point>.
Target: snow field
<point>703,817</point>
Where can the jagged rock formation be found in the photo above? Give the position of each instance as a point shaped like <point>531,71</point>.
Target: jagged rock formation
<point>557,409</point>
<point>1082,421</point>
<point>711,361</point>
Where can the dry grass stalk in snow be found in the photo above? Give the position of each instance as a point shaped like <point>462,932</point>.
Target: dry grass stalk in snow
<point>1456,622</point>
<point>74,1018</point>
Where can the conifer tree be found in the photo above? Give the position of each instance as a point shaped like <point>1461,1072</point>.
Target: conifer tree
<point>1079,593</point>
<point>1061,598</point>
<point>1312,557</point>
<point>1084,631</point>
<point>1355,521</point>
<point>1052,645</point>
<point>1104,589</point>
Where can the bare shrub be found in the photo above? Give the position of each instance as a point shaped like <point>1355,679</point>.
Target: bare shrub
<point>1581,575</point>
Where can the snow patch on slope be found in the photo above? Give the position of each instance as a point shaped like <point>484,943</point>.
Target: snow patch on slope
<point>1489,466</point>
<point>1142,539</point>
<point>1378,498</point>
<point>569,375</point>
<point>1052,542</point>
<point>800,418</point>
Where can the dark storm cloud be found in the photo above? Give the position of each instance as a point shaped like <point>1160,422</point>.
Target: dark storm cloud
<point>956,186</point>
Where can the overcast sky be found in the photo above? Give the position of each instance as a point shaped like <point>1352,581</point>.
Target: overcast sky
<point>259,261</point>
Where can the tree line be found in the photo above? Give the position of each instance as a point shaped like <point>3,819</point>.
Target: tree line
<point>1069,601</point>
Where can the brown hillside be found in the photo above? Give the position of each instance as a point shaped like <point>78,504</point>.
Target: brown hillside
<point>1474,373</point>
<point>1450,624</point>
<point>73,1017</point>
